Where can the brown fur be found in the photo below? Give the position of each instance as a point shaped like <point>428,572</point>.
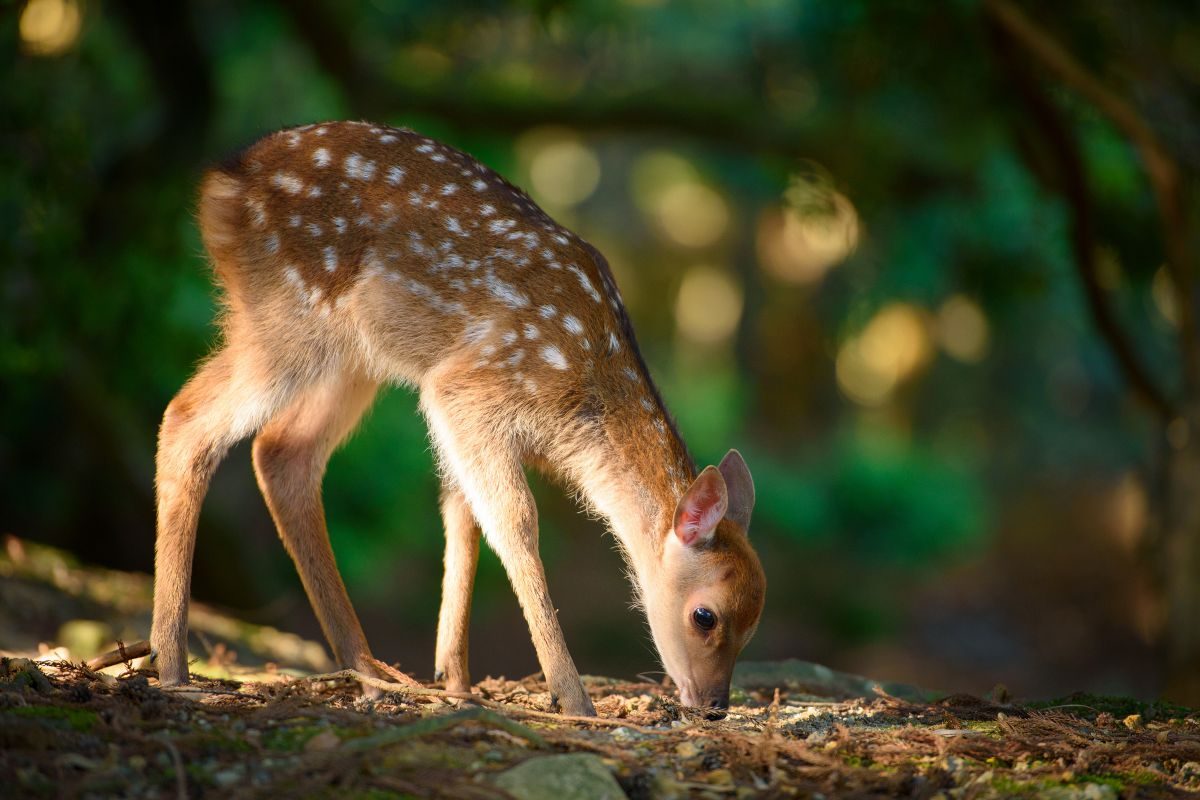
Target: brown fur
<point>352,255</point>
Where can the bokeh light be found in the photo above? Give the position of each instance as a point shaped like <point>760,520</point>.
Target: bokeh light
<point>891,348</point>
<point>708,306</point>
<point>1162,290</point>
<point>50,27</point>
<point>962,329</point>
<point>800,250</point>
<point>562,169</point>
<point>686,210</point>
<point>815,229</point>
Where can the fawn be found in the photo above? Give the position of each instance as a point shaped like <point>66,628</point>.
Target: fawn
<point>352,255</point>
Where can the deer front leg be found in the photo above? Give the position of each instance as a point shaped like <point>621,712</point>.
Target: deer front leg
<point>462,557</point>
<point>215,409</point>
<point>483,462</point>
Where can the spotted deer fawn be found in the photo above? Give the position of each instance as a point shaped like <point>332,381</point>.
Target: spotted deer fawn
<point>352,255</point>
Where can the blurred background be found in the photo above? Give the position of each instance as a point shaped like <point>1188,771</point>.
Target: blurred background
<point>929,269</point>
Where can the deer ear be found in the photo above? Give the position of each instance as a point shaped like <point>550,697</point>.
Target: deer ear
<point>740,488</point>
<point>701,508</point>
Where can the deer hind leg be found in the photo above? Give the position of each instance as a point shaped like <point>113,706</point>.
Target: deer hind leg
<point>482,459</point>
<point>462,557</point>
<point>218,406</point>
<point>290,455</point>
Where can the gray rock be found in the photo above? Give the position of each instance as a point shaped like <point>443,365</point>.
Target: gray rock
<point>819,681</point>
<point>574,776</point>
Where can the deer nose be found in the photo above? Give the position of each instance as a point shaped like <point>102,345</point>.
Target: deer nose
<point>714,702</point>
<point>717,705</point>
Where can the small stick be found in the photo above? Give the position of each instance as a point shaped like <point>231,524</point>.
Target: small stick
<point>396,674</point>
<point>122,654</point>
<point>520,711</point>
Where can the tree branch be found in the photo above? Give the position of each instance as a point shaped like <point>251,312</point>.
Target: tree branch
<point>734,124</point>
<point>1072,183</point>
<point>1161,170</point>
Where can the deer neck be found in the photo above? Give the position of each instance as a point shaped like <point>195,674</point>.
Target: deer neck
<point>636,473</point>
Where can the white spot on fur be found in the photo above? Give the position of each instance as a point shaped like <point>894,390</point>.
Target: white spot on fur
<point>272,243</point>
<point>554,357</point>
<point>435,300</point>
<point>395,175</point>
<point>339,224</point>
<point>487,210</point>
<point>258,212</point>
<point>313,229</point>
<point>506,293</point>
<point>477,331</point>
<point>449,189</point>
<point>547,311</point>
<point>359,167</point>
<point>515,358</point>
<point>321,157</point>
<point>287,182</point>
<point>331,262</point>
<point>633,376</point>
<point>294,221</point>
<point>501,225</point>
<point>572,324</point>
<point>387,138</point>
<point>585,282</point>
<point>614,344</point>
<point>452,225</point>
<point>530,330</point>
<point>479,184</point>
<point>509,337</point>
<point>427,147</point>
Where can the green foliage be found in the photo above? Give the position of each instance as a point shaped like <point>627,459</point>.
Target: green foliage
<point>885,500</point>
<point>106,303</point>
<point>77,719</point>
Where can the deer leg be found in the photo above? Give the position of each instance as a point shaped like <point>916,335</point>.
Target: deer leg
<point>290,455</point>
<point>462,556</point>
<point>216,408</point>
<point>484,463</point>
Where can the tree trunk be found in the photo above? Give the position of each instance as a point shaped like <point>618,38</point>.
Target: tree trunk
<point>1181,568</point>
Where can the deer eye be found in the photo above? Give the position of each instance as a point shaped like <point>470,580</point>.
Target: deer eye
<point>705,620</point>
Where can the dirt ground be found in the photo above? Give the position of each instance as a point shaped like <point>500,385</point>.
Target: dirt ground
<point>274,729</point>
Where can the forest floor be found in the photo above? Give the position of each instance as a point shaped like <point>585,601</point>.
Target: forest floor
<point>272,730</point>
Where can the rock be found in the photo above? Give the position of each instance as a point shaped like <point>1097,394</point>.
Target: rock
<point>21,672</point>
<point>1088,791</point>
<point>818,680</point>
<point>574,776</point>
<point>719,777</point>
<point>623,734</point>
<point>323,742</point>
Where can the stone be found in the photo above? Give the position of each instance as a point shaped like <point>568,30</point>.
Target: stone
<point>573,776</point>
